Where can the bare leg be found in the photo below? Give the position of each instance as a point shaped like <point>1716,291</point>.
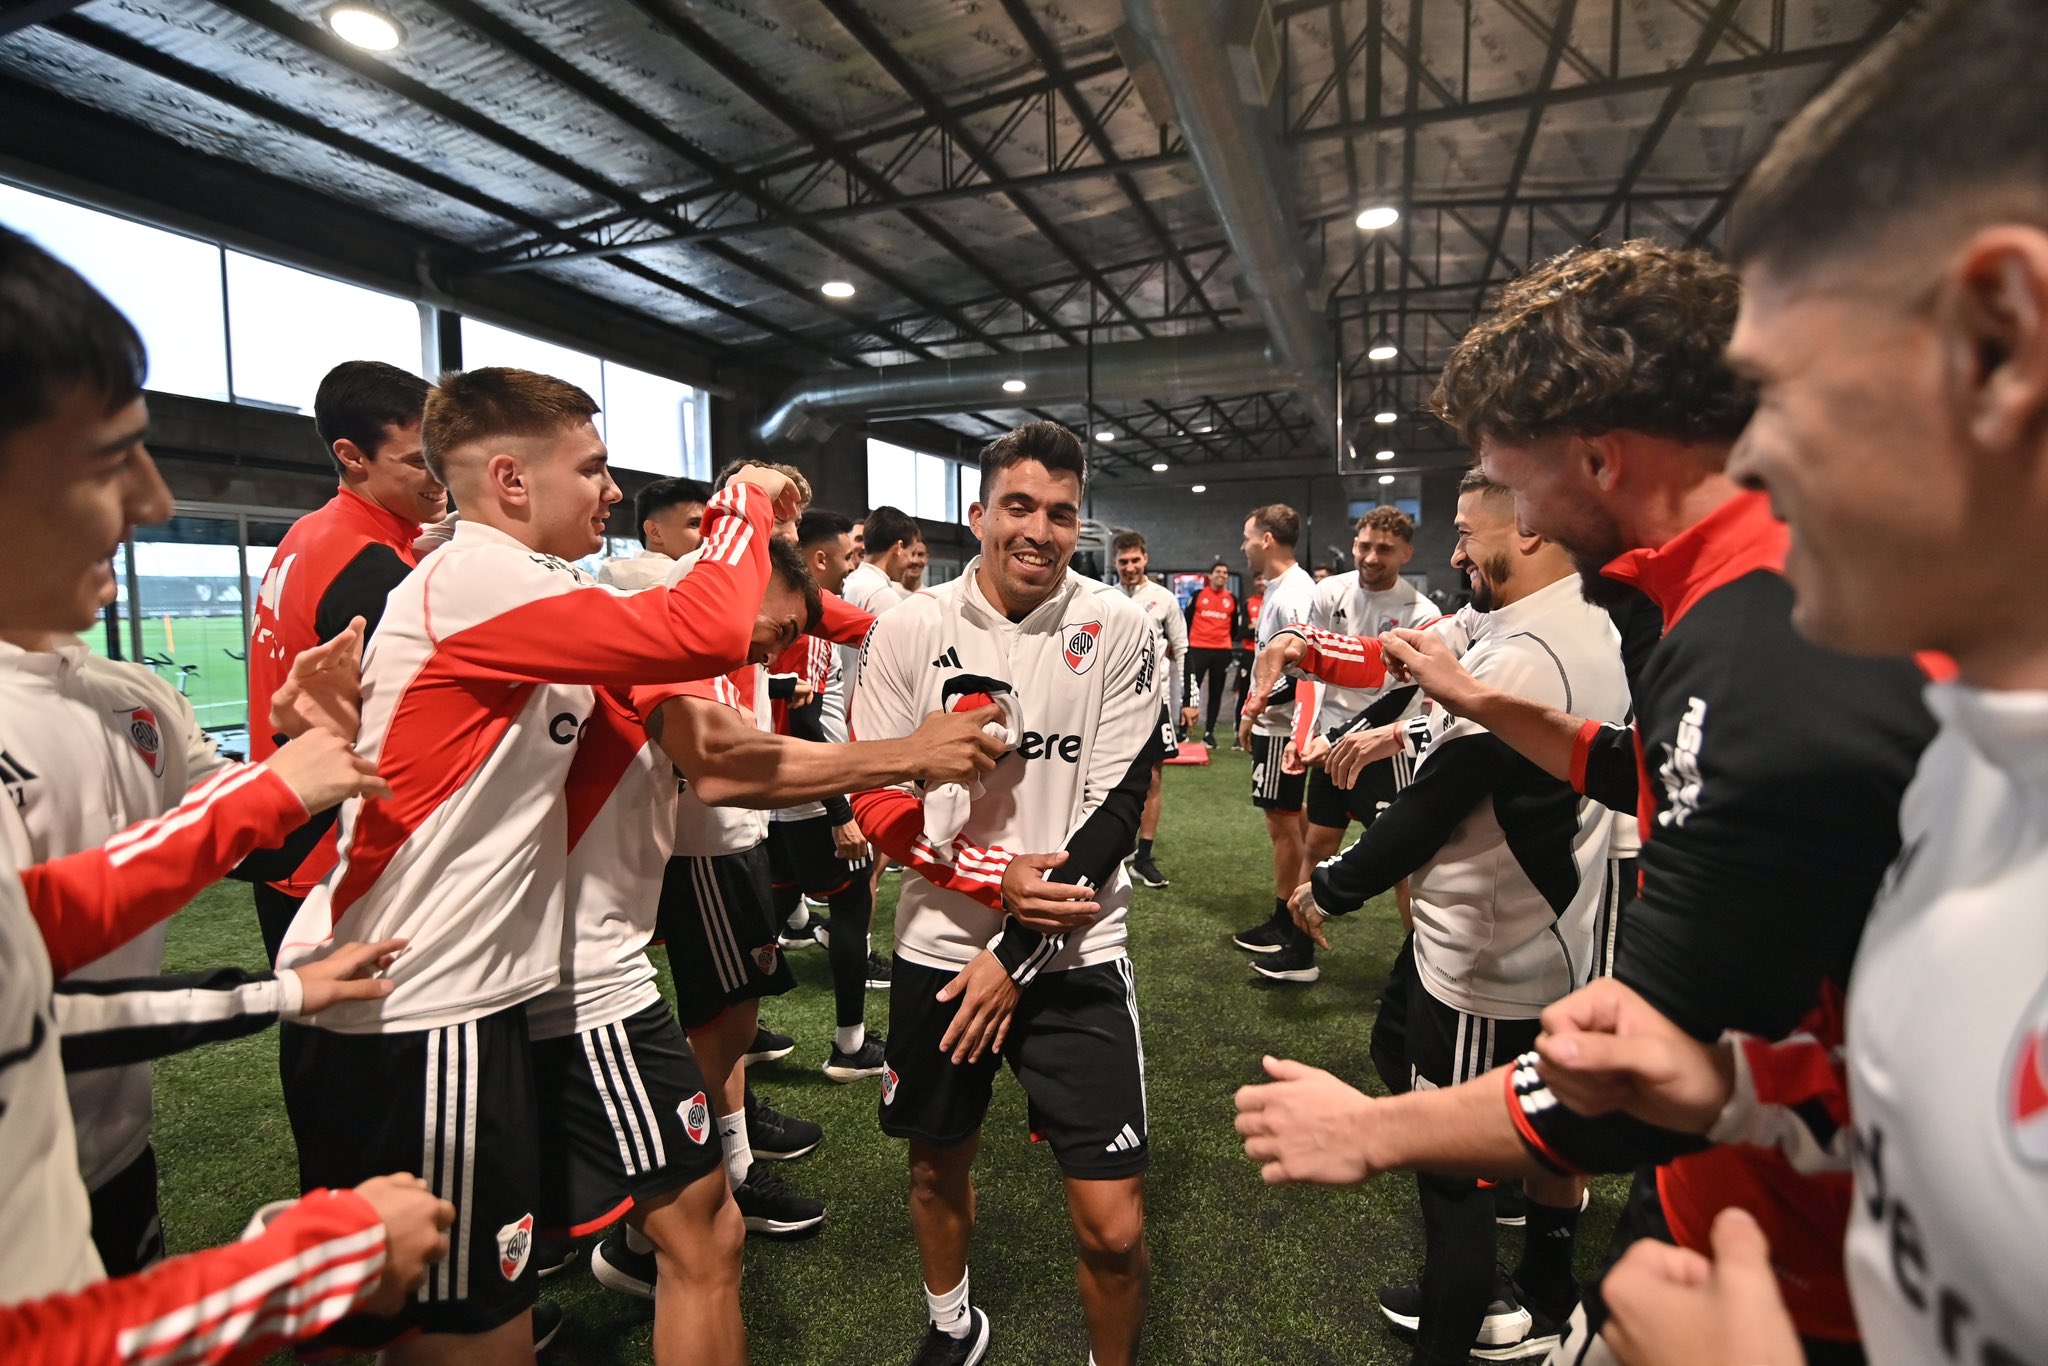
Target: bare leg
<point>1284,829</point>
<point>697,1235</point>
<point>1148,823</point>
<point>720,1047</point>
<point>509,1344</point>
<point>1322,842</point>
<point>942,1209</point>
<point>1407,907</point>
<point>1116,1270</point>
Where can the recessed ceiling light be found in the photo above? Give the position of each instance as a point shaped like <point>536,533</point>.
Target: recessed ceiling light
<point>1383,455</point>
<point>837,289</point>
<point>1161,467</point>
<point>1382,350</point>
<point>1013,386</point>
<point>1379,216</point>
<point>1386,417</point>
<point>1204,429</point>
<point>1386,479</point>
<point>1105,436</point>
<point>364,26</point>
<point>1199,488</point>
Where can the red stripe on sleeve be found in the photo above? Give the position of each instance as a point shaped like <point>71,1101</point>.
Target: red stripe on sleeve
<point>1528,1130</point>
<point>1582,753</point>
<point>893,822</point>
<point>1347,661</point>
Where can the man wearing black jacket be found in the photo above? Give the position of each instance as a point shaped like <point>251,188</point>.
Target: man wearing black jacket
<point>1767,771</point>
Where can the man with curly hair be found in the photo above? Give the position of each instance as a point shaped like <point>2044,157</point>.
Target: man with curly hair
<point>1770,769</point>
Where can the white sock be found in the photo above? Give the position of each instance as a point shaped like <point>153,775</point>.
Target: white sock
<point>739,1154</point>
<point>638,1242</point>
<point>949,1311</point>
<point>849,1038</point>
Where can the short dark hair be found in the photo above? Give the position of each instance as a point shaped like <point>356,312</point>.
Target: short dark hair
<point>1279,521</point>
<point>1126,540</point>
<point>58,333</point>
<point>1050,444</point>
<point>1391,520</point>
<point>1220,564</point>
<point>889,527</point>
<point>1475,481</point>
<point>786,562</point>
<point>663,494</point>
<point>358,399</point>
<point>818,526</point>
<point>470,406</point>
<point>1950,107</point>
<point>1601,339</point>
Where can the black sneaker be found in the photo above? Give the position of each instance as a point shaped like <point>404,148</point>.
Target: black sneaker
<point>865,1061</point>
<point>775,1137</point>
<point>808,936</point>
<point>1267,936</point>
<point>1544,1332</point>
<point>618,1267</point>
<point>1295,963</point>
<point>548,1319</point>
<point>1505,1322</point>
<point>942,1349</point>
<point>1208,739</point>
<point>769,1206</point>
<point>878,972</point>
<point>1147,872</point>
<point>768,1045</point>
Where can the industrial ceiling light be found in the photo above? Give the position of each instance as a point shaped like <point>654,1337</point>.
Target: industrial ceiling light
<point>1386,416</point>
<point>1383,348</point>
<point>837,289</point>
<point>366,26</point>
<point>1386,479</point>
<point>1105,436</point>
<point>1160,467</point>
<point>1013,386</point>
<point>1199,488</point>
<point>1383,455</point>
<point>1377,217</point>
<point>1204,429</point>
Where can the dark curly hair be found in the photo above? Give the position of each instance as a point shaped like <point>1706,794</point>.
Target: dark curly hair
<point>1601,339</point>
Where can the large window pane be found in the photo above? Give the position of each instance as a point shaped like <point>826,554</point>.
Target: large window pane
<point>484,345</point>
<point>290,327</point>
<point>892,476</point>
<point>970,490</point>
<point>647,420</point>
<point>188,574</point>
<point>168,284</point>
<point>935,489</point>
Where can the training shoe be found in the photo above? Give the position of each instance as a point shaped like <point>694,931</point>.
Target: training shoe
<point>618,1267</point>
<point>806,936</point>
<point>769,1206</point>
<point>1544,1332</point>
<point>552,1255</point>
<point>1209,739</point>
<point>776,1137</point>
<point>1505,1322</point>
<point>1146,871</point>
<point>865,1061</point>
<point>1296,963</point>
<point>878,972</point>
<point>548,1319</point>
<point>769,1046</point>
<point>1267,936</point>
<point>942,1349</point>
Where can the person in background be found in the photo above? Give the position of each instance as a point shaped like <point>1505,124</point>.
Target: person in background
<point>1128,551</point>
<point>669,516</point>
<point>893,541</point>
<point>1211,623</point>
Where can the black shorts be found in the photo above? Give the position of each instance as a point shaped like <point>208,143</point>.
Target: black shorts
<point>1073,1043</point>
<point>454,1106</point>
<point>1274,789</point>
<point>1447,1046</point>
<point>126,1225</point>
<point>1169,734</point>
<point>1334,807</point>
<point>801,855</point>
<point>624,1117</point>
<point>717,917</point>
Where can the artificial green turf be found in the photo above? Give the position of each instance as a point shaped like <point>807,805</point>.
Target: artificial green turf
<point>1241,1273</point>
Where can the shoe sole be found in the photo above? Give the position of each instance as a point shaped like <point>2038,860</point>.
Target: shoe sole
<point>1253,946</point>
<point>850,1073</point>
<point>1148,882</point>
<point>1490,1330</point>
<point>980,1348</point>
<point>875,984</point>
<point>559,1267</point>
<point>1407,1322</point>
<point>1302,975</point>
<point>770,1054</point>
<point>612,1278</point>
<point>1524,1350</point>
<point>540,1344</point>
<point>780,1228</point>
<point>790,1156</point>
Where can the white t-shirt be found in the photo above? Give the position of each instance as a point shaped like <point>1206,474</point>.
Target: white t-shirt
<point>1290,599</point>
<point>1162,609</point>
<point>1342,603</point>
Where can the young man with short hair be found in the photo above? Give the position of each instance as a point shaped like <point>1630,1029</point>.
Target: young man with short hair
<point>1286,599</point>
<point>668,514</point>
<point>893,538</point>
<point>475,693</point>
<point>1158,605</point>
<point>1020,956</point>
<point>1211,625</point>
<point>340,562</point>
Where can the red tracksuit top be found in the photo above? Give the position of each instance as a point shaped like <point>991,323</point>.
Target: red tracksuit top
<point>1210,622</point>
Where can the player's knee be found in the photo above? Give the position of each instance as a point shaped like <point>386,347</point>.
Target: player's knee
<point>1112,1236</point>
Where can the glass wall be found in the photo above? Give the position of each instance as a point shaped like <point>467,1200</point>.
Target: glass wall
<point>919,483</point>
<point>289,327</point>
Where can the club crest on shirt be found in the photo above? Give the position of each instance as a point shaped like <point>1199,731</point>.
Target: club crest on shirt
<point>696,1116</point>
<point>146,735</point>
<point>764,958</point>
<point>888,1084</point>
<point>515,1245</point>
<point>1080,645</point>
<point>2026,1086</point>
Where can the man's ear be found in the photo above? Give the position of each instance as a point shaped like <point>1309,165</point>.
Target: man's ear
<point>350,457</point>
<point>505,477</point>
<point>1996,336</point>
<point>1601,459</point>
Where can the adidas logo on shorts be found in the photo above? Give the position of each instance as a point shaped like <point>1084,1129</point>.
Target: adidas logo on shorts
<point>1125,1140</point>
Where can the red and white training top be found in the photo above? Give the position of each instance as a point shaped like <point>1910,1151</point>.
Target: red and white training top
<point>475,691</point>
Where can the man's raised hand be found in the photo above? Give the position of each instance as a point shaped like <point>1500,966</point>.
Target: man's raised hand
<point>952,747</point>
<point>776,485</point>
<point>1427,660</point>
<point>324,690</point>
<point>1305,1125</point>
